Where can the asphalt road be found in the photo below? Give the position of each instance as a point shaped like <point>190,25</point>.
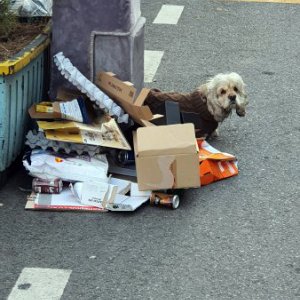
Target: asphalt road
<point>235,239</point>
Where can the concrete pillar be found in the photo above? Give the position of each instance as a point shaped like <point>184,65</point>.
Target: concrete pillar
<point>106,35</point>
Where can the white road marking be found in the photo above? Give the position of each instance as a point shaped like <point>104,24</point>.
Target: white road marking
<point>152,61</point>
<point>169,14</point>
<point>38,283</point>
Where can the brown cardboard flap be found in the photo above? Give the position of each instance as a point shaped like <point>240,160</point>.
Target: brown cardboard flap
<point>139,101</point>
<point>123,94</point>
<point>112,85</point>
<point>169,139</point>
<point>149,123</point>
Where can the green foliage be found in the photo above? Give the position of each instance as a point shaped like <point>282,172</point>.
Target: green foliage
<point>7,19</point>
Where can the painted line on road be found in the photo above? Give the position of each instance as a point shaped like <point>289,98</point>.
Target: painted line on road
<point>169,14</point>
<point>40,283</point>
<point>152,61</point>
<point>270,1</point>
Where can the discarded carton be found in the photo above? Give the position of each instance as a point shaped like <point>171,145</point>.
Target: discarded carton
<point>110,196</point>
<point>127,203</point>
<point>106,134</point>
<point>97,194</point>
<point>124,186</point>
<point>215,165</point>
<point>123,93</point>
<point>73,110</point>
<point>166,157</point>
<point>65,201</point>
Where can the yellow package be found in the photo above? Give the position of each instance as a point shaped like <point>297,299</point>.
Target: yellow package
<point>44,107</point>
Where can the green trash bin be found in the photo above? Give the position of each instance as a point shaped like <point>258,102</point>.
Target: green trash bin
<point>22,81</point>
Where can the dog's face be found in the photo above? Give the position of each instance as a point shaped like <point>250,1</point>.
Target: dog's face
<point>226,92</point>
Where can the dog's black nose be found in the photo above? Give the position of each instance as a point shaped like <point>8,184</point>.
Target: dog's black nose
<point>232,98</point>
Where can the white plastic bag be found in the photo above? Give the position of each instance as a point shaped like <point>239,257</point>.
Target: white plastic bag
<point>49,165</point>
<point>32,8</point>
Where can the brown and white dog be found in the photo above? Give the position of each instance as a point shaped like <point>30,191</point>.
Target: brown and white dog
<point>213,101</point>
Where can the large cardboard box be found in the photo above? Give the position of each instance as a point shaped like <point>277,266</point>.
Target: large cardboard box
<point>166,157</point>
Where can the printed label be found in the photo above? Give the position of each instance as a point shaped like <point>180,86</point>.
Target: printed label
<point>71,111</point>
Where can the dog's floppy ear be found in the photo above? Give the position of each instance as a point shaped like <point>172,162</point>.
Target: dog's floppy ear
<point>203,90</point>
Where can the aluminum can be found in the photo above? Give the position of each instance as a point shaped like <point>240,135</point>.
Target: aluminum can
<point>44,186</point>
<point>126,157</point>
<point>161,199</point>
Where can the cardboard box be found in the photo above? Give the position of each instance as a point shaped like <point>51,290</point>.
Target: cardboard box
<point>166,157</point>
<point>123,93</point>
<point>215,165</point>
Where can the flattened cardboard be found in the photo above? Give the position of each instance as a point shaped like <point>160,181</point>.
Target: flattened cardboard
<point>65,201</point>
<point>106,134</point>
<point>166,157</point>
<point>127,203</point>
<point>123,93</point>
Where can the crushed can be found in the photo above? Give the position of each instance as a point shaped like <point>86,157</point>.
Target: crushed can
<point>161,199</point>
<point>126,157</point>
<point>44,186</point>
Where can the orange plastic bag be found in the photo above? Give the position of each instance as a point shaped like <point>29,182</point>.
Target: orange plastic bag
<point>215,165</point>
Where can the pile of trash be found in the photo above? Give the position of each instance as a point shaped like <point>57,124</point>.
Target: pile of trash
<point>99,148</point>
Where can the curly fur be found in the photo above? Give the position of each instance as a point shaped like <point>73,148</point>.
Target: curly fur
<point>224,93</point>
